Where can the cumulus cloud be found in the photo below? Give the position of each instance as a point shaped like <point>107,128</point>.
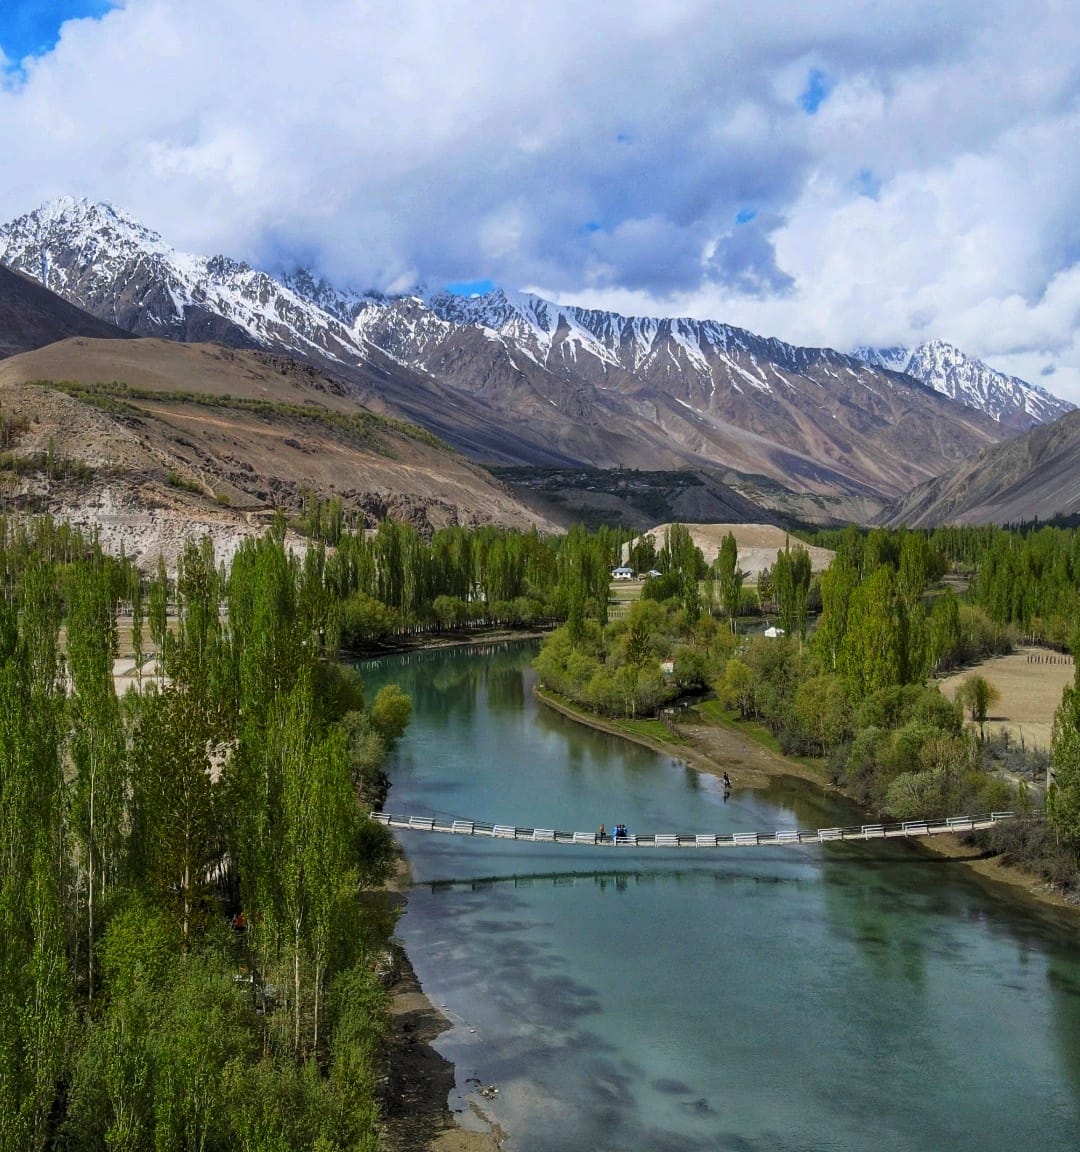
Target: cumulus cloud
<point>831,173</point>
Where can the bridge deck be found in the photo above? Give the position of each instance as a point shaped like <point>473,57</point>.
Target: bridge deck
<point>907,830</point>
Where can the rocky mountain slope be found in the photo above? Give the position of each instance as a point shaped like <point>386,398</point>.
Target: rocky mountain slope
<point>1012,402</point>
<point>516,380</point>
<point>1036,475</point>
<point>31,316</point>
<point>149,439</point>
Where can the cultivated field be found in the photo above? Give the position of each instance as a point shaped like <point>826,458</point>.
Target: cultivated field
<point>1030,688</point>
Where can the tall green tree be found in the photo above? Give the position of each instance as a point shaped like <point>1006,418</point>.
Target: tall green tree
<point>1063,798</point>
<point>838,583</point>
<point>729,578</point>
<point>177,760</point>
<point>977,695</point>
<point>98,754</point>
<point>873,653</point>
<point>791,585</point>
<point>35,984</point>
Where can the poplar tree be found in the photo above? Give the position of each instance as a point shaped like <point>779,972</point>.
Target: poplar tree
<point>97,744</point>
<point>35,988</point>
<point>176,829</point>
<point>1063,798</point>
<point>838,583</point>
<point>159,615</point>
<point>729,577</point>
<point>873,652</point>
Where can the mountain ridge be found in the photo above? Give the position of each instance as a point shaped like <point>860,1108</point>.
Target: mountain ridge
<point>31,316</point>
<point>1014,403</point>
<point>512,379</point>
<point>1034,476</point>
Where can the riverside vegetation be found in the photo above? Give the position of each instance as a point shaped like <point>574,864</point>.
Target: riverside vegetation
<point>855,694</point>
<point>185,962</point>
<point>186,958</point>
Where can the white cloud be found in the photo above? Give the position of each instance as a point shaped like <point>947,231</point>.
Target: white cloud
<point>599,154</point>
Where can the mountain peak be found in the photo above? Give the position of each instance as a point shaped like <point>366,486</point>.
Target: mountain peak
<point>567,384</point>
<point>102,259</point>
<point>88,217</point>
<point>1012,402</point>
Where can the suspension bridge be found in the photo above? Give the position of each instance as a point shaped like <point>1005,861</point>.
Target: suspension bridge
<point>908,829</point>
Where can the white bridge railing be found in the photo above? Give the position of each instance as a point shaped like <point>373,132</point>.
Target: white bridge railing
<point>906,830</point>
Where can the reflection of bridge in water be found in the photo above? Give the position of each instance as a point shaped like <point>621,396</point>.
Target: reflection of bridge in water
<point>909,829</point>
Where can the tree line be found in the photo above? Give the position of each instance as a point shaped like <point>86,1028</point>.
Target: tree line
<point>1026,577</point>
<point>852,684</point>
<point>185,961</point>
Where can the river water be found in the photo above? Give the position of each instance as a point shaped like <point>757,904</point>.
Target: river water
<point>839,997</point>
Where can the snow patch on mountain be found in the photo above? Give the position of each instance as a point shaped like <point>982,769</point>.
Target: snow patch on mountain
<point>107,262</point>
<point>945,368</point>
<point>104,260</point>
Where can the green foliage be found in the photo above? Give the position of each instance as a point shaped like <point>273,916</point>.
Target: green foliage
<point>643,555</point>
<point>977,695</point>
<point>729,578</point>
<point>129,833</point>
<point>823,709</point>
<point>1063,800</point>
<point>616,671</point>
<point>736,688</point>
<point>390,713</point>
<point>873,653</point>
<point>791,587</point>
<point>184,483</point>
<point>365,620</point>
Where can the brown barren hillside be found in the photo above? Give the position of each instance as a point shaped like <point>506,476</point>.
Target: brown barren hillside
<point>147,439</point>
<point>31,316</point>
<point>758,544</point>
<point>1034,476</point>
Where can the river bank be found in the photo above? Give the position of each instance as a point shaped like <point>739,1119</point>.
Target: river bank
<point>715,750</point>
<point>417,1114</point>
<point>428,641</point>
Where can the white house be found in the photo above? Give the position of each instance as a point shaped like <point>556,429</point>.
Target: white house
<point>622,574</point>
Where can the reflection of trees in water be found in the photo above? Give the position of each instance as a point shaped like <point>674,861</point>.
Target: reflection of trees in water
<point>812,808</point>
<point>618,879</point>
<point>505,687</point>
<point>448,681</point>
<point>1063,982</point>
<point>865,908</point>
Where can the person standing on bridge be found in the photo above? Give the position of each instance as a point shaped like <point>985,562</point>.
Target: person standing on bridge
<point>602,833</point>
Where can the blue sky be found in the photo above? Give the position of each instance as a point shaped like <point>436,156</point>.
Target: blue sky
<point>31,27</point>
<point>832,174</point>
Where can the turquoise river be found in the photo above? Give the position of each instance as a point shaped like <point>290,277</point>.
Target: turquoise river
<point>840,997</point>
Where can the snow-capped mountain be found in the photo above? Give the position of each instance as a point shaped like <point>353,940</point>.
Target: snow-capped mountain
<point>108,263</point>
<point>1012,402</point>
<point>512,378</point>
